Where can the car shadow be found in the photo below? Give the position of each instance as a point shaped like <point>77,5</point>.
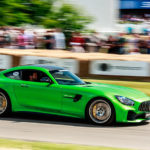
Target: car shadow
<point>61,120</point>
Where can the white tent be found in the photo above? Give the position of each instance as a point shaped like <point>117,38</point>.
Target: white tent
<point>105,13</point>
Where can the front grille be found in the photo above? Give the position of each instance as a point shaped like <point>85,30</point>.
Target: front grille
<point>145,106</point>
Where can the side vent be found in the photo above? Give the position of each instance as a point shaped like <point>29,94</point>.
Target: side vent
<point>77,98</point>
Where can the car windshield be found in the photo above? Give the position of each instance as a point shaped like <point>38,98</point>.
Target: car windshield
<point>66,78</point>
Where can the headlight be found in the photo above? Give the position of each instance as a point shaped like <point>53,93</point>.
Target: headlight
<point>125,100</point>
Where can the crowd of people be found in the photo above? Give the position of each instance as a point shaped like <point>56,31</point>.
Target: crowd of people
<point>30,39</point>
<point>54,39</point>
<point>135,18</point>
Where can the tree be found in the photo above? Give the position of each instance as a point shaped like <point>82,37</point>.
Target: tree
<point>3,12</point>
<point>42,12</point>
<point>12,12</point>
<point>68,18</point>
<point>38,10</point>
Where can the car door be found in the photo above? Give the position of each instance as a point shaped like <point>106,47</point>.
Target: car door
<point>36,95</point>
<point>72,102</point>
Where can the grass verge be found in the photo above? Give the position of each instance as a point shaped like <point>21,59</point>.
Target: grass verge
<point>142,86</point>
<point>26,145</point>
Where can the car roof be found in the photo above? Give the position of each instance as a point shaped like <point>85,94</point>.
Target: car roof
<point>50,68</point>
<point>35,66</point>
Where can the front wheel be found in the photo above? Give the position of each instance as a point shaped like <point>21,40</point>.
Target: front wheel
<point>101,112</point>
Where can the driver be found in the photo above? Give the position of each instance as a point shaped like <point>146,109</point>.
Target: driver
<point>33,76</point>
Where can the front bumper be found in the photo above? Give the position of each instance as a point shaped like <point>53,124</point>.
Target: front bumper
<point>138,113</point>
<point>134,116</point>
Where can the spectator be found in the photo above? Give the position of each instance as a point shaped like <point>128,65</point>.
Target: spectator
<point>111,40</point>
<point>21,41</point>
<point>49,40</point>
<point>134,42</point>
<point>143,47</point>
<point>7,39</point>
<point>77,42</point>
<point>59,37</point>
<point>88,46</point>
<point>1,41</point>
<point>29,39</point>
<point>117,47</point>
<point>134,52</point>
<point>148,46</point>
<point>96,41</point>
<point>129,30</point>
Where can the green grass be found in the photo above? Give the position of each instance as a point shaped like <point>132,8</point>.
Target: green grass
<point>142,86</point>
<point>26,145</point>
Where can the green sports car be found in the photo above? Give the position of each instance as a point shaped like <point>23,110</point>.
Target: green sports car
<point>54,90</point>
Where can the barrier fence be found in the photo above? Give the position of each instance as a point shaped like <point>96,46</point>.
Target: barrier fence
<point>87,65</point>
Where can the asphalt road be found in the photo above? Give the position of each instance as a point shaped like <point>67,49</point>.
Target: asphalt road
<point>56,129</point>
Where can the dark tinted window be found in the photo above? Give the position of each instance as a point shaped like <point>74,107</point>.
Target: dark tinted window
<point>13,75</point>
<point>34,76</point>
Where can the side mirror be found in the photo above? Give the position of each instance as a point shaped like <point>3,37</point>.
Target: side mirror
<point>88,82</point>
<point>46,79</point>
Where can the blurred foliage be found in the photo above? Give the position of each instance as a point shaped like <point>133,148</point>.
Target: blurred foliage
<point>69,18</point>
<point>42,12</point>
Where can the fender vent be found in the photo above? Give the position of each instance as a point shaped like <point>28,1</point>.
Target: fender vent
<point>77,98</point>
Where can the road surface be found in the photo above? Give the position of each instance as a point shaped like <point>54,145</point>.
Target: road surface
<point>38,127</point>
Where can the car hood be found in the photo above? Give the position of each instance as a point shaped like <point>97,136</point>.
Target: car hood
<point>116,90</point>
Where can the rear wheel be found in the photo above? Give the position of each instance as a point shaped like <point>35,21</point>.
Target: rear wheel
<point>101,112</point>
<point>5,106</point>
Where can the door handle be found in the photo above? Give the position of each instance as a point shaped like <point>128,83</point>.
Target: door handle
<point>68,96</point>
<point>24,85</point>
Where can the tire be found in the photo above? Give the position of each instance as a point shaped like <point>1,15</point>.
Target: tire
<point>100,112</point>
<point>5,104</point>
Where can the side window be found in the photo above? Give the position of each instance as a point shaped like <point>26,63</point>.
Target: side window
<point>13,75</point>
<point>34,76</point>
